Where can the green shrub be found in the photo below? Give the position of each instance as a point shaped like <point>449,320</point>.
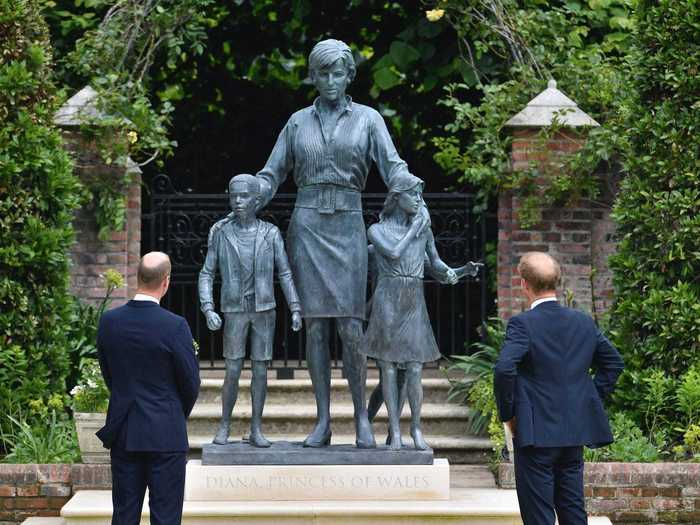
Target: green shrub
<point>474,384</point>
<point>688,397</point>
<point>474,372</point>
<point>658,213</point>
<point>52,440</point>
<point>82,332</point>
<point>91,393</point>
<point>38,194</point>
<point>630,444</point>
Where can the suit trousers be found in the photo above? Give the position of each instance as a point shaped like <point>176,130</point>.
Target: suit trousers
<point>164,475</point>
<point>550,480</point>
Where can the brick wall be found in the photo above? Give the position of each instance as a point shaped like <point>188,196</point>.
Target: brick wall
<point>90,256</point>
<point>580,236</point>
<point>636,493</point>
<point>41,490</point>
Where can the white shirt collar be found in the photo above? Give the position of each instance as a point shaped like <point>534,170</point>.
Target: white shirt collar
<point>145,297</point>
<point>540,301</point>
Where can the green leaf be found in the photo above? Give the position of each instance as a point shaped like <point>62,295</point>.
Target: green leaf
<point>386,78</point>
<point>403,54</point>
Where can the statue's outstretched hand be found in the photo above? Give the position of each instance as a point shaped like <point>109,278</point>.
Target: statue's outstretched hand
<point>451,276</point>
<point>296,321</point>
<point>213,320</point>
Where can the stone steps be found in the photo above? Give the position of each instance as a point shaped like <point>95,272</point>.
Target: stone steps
<point>293,418</point>
<point>301,391</point>
<point>466,506</point>
<point>290,414</point>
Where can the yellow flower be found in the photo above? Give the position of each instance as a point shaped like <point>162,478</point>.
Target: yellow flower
<point>132,136</point>
<point>113,279</point>
<point>434,14</point>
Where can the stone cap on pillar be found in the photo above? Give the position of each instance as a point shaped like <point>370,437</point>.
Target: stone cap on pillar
<point>548,106</point>
<point>81,109</point>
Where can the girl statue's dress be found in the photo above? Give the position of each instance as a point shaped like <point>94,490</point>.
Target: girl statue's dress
<point>399,328</point>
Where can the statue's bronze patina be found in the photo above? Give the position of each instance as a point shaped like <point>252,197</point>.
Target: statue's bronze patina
<point>245,250</point>
<point>329,148</point>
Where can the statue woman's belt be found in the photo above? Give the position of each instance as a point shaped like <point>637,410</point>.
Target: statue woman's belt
<point>402,276</point>
<point>329,198</point>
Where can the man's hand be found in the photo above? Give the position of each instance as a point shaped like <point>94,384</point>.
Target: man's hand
<point>512,425</point>
<point>296,321</point>
<point>213,320</point>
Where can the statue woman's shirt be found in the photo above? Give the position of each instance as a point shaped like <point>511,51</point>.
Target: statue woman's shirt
<point>326,238</point>
<point>344,158</point>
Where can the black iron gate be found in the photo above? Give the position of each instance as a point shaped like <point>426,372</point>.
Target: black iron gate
<point>178,224</point>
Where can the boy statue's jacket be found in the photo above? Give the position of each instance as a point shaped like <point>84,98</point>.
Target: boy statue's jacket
<point>223,253</point>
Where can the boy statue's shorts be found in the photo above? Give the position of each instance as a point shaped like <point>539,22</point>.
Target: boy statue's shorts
<point>260,325</point>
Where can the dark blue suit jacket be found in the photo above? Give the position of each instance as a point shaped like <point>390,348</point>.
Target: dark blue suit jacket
<point>542,377</point>
<point>149,364</point>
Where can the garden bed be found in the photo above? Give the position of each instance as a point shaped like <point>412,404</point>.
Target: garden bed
<point>636,493</point>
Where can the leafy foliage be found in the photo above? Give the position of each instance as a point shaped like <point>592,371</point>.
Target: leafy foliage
<point>630,445</point>
<point>111,47</point>
<point>658,213</point>
<point>82,332</point>
<point>513,48</point>
<point>52,440</point>
<point>38,194</point>
<point>91,393</point>
<point>474,384</point>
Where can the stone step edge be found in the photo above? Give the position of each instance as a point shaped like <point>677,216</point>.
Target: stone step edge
<point>307,411</point>
<point>437,442</point>
<point>499,503</point>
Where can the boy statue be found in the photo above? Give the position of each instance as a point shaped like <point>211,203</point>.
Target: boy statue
<point>245,250</point>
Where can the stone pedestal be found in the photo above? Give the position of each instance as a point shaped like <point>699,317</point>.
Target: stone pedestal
<point>286,453</point>
<point>317,482</point>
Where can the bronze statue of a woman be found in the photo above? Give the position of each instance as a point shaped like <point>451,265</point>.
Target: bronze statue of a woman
<point>329,148</point>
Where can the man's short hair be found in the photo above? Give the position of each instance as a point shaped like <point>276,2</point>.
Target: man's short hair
<point>252,182</point>
<point>541,271</point>
<point>152,273</point>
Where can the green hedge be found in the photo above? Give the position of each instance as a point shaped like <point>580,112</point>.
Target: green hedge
<point>38,193</point>
<point>657,268</point>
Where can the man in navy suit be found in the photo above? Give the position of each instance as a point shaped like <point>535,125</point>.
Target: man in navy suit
<point>149,364</point>
<point>546,395</point>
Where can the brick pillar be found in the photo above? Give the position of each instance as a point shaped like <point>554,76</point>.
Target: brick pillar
<point>580,236</point>
<point>91,257</point>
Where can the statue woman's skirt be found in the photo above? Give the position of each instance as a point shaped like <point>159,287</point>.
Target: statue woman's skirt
<point>328,256</point>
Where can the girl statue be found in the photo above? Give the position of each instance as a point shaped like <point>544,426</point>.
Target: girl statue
<point>399,334</point>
